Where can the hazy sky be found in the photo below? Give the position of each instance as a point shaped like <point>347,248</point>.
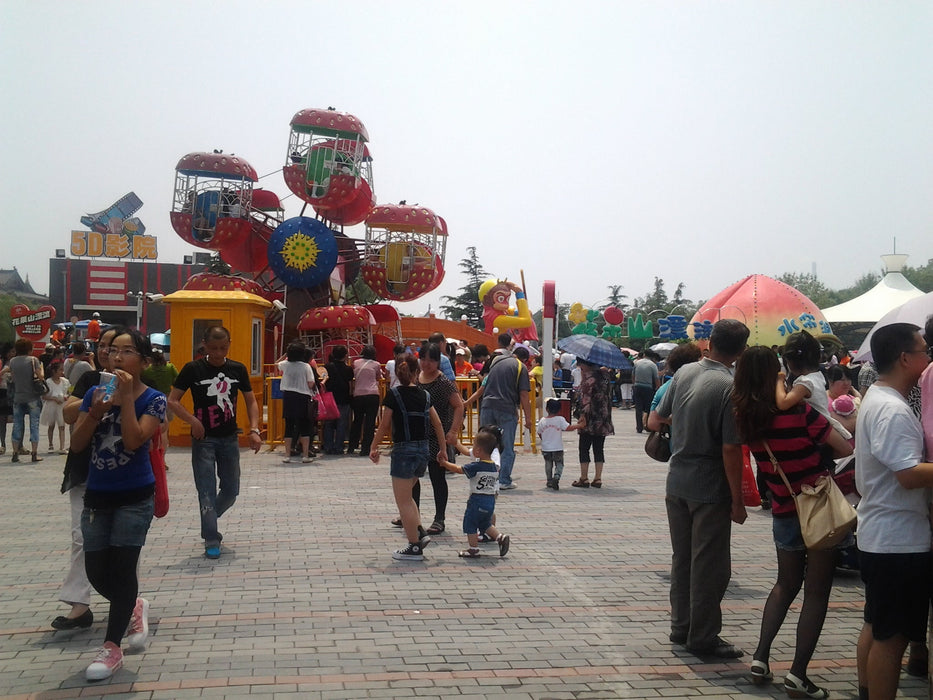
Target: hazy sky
<point>592,143</point>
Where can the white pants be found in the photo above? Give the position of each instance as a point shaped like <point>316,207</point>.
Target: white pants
<point>76,588</point>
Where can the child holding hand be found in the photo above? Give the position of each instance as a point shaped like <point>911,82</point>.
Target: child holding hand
<point>484,484</point>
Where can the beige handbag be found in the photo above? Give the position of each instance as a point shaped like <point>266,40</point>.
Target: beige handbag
<point>826,517</point>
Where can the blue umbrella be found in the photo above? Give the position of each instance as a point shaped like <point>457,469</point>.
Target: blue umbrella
<point>596,350</point>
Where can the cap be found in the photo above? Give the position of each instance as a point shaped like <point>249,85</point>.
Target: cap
<point>844,405</point>
<point>49,346</point>
<point>95,315</point>
<point>460,351</point>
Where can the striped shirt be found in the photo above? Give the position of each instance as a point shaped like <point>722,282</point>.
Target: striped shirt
<point>796,437</point>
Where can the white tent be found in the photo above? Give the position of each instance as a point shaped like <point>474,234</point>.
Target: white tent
<point>892,291</point>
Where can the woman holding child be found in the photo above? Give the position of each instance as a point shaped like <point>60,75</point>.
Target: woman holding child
<point>796,436</point>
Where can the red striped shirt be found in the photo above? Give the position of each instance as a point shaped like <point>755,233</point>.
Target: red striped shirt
<point>797,438</point>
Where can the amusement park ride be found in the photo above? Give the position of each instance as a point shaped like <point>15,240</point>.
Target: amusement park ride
<point>309,261</point>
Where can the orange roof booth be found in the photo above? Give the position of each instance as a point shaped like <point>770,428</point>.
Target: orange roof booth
<point>244,315</point>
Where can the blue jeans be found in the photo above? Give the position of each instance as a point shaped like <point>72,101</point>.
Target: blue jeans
<point>335,431</point>
<point>508,424</point>
<point>20,411</point>
<point>222,453</point>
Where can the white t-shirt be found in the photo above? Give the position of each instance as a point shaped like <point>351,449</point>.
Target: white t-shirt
<point>295,377</point>
<point>819,399</point>
<point>551,431</point>
<point>888,439</point>
<point>567,360</point>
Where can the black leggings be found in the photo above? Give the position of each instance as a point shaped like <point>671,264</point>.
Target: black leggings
<point>112,572</point>
<point>439,484</point>
<point>597,441</point>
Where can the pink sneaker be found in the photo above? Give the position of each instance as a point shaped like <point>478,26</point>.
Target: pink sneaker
<point>138,631</point>
<point>109,660</point>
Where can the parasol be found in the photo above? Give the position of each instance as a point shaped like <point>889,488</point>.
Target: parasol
<point>596,350</point>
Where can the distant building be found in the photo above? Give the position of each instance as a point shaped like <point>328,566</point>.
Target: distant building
<point>12,283</point>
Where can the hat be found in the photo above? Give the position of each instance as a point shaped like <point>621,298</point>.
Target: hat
<point>95,315</point>
<point>50,346</point>
<point>844,405</point>
<point>461,351</point>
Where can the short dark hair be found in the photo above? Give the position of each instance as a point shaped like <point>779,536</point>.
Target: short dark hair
<point>729,337</point>
<point>215,333</point>
<point>521,353</point>
<point>504,340</point>
<point>889,342</point>
<point>486,441</point>
<point>338,354</point>
<point>928,331</point>
<point>295,352</point>
<point>437,337</point>
<point>552,406</point>
<point>368,352</point>
<point>431,351</point>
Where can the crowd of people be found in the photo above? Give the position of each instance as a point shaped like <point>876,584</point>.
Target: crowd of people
<point>792,412</point>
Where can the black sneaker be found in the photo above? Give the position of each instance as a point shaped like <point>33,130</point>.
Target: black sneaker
<point>550,483</point>
<point>424,539</point>
<point>411,553</point>
<point>555,484</point>
<point>503,545</point>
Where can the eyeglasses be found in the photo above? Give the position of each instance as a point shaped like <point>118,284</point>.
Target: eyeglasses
<point>928,352</point>
<point>124,352</point>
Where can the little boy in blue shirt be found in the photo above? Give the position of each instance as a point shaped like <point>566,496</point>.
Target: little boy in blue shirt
<point>484,485</point>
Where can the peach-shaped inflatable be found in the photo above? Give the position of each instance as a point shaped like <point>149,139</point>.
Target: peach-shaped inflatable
<point>771,309</point>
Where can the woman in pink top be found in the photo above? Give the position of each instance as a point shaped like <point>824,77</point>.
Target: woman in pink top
<point>365,403</point>
<point>926,393</point>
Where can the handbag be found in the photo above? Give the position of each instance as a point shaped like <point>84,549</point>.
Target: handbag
<point>826,517</point>
<point>658,445</point>
<point>326,406</point>
<point>750,496</point>
<point>40,386</point>
<point>157,460</point>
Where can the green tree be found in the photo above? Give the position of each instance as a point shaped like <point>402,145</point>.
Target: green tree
<point>467,303</point>
<point>7,302</point>
<point>810,286</point>
<point>920,277</point>
<point>358,292</point>
<point>615,298</point>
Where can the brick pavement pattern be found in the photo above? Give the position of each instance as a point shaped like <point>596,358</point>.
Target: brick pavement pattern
<point>306,601</point>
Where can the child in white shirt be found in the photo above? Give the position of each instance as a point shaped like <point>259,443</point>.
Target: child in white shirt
<point>551,439</point>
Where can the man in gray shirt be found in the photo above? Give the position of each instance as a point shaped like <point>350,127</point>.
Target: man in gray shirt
<point>505,391</point>
<point>645,380</point>
<point>704,491</point>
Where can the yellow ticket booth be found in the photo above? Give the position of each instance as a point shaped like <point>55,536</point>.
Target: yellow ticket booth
<point>244,315</point>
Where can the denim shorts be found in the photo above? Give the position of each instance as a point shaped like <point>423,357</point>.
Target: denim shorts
<point>478,514</point>
<point>787,535</point>
<point>124,526</point>
<point>409,459</point>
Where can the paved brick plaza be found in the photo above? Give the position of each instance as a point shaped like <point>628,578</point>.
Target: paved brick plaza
<point>307,601</point>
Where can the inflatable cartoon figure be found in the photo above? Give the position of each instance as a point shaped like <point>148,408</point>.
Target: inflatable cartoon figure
<point>495,294</point>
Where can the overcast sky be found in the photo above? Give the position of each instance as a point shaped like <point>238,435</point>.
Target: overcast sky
<point>592,143</point>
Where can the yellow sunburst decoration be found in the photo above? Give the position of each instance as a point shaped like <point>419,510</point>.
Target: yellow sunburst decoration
<point>300,251</point>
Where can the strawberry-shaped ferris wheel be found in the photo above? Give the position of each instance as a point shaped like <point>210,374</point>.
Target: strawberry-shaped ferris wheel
<point>218,206</point>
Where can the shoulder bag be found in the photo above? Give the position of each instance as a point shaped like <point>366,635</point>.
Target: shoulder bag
<point>826,517</point>
<point>40,386</point>
<point>658,445</point>
<point>326,406</point>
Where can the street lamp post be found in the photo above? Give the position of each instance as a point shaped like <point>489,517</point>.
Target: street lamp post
<point>138,296</point>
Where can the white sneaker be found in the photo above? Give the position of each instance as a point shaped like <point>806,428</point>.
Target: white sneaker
<point>138,631</point>
<point>109,660</point>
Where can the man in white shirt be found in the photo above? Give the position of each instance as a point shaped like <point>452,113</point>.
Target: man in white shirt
<point>894,527</point>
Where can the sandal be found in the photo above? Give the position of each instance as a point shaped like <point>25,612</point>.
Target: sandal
<point>596,483</point>
<point>396,523</point>
<point>581,483</point>
<point>484,538</point>
<point>469,553</point>
<point>437,527</point>
<point>803,688</point>
<point>761,673</point>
